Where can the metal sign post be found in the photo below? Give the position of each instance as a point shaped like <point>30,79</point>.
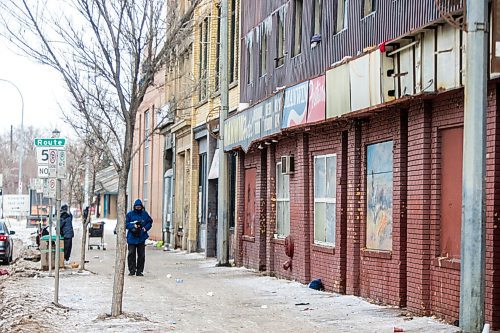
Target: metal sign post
<point>51,158</point>
<point>50,237</point>
<point>58,243</point>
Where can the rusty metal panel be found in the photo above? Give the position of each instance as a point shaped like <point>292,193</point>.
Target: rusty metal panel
<point>390,20</point>
<point>359,74</point>
<point>448,50</point>
<point>406,66</point>
<point>451,191</point>
<point>428,60</point>
<point>338,93</point>
<point>250,182</point>
<point>375,79</point>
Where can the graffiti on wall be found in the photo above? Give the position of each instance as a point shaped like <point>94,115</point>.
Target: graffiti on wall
<point>379,162</point>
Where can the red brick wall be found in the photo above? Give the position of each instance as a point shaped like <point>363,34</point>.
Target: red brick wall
<point>447,111</point>
<point>382,277</point>
<point>328,263</point>
<point>410,274</point>
<point>249,248</point>
<point>286,146</point>
<point>492,298</point>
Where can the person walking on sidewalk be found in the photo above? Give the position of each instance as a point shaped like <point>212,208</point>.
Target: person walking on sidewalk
<point>138,223</point>
<point>67,232</point>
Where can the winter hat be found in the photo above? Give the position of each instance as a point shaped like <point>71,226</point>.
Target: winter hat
<point>138,202</point>
<point>64,208</point>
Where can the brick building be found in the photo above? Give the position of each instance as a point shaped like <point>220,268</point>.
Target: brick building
<point>349,158</point>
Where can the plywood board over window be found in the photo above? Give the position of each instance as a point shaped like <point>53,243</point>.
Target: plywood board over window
<point>379,166</point>
<point>250,191</point>
<point>451,191</point>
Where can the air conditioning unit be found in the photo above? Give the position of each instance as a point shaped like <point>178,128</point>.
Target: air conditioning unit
<point>287,165</point>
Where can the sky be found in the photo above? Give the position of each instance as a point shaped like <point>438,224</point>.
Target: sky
<point>42,90</point>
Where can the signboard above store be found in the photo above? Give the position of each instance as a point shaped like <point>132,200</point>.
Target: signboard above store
<point>253,123</point>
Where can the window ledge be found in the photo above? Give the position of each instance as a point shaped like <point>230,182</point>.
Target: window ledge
<point>247,238</point>
<point>369,15</point>
<point>446,262</point>
<point>340,32</point>
<point>376,254</point>
<point>323,249</point>
<point>233,84</point>
<point>280,241</point>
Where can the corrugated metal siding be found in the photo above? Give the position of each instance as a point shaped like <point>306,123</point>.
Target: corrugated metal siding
<point>391,19</point>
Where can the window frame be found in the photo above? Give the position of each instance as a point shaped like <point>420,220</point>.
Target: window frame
<point>297,28</point>
<point>233,38</point>
<point>326,200</point>
<point>284,199</point>
<point>345,17</point>
<point>217,51</point>
<point>373,7</point>
<point>317,19</point>
<point>263,53</point>
<point>250,64</point>
<point>280,40</point>
<point>146,158</point>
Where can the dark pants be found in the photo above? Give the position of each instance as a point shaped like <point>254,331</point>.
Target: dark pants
<point>68,245</point>
<point>133,265</point>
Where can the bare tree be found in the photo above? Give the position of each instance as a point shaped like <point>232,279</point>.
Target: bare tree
<point>107,53</point>
<point>9,146</point>
<point>75,170</point>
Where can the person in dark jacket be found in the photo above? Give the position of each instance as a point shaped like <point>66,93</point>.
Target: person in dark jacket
<point>138,223</point>
<point>67,232</point>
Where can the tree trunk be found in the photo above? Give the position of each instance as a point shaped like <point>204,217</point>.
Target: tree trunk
<point>121,245</point>
<point>85,223</point>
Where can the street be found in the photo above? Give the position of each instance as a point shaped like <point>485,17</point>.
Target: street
<point>184,293</point>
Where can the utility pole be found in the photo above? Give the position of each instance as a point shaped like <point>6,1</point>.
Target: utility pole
<point>473,245</point>
<point>50,236</point>
<point>58,241</point>
<point>21,150</point>
<point>222,214</point>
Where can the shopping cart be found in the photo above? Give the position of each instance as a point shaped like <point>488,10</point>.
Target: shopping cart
<point>96,230</point>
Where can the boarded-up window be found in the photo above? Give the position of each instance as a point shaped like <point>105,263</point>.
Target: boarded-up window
<point>297,23</point>
<point>325,198</point>
<point>249,64</point>
<point>250,179</point>
<point>379,196</point>
<point>233,41</point>
<point>451,191</point>
<point>317,17</point>
<point>282,203</point>
<point>341,16</point>
<point>217,50</point>
<point>369,7</point>
<point>280,38</point>
<point>203,61</point>
<point>147,140</point>
<point>263,53</point>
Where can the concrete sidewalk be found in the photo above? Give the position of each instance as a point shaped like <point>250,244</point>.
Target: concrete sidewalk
<point>185,293</point>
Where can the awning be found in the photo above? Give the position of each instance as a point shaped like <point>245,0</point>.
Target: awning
<point>214,168</point>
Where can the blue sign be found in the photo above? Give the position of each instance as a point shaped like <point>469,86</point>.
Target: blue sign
<point>295,108</point>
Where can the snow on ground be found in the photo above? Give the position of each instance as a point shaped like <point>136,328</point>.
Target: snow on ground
<point>185,293</point>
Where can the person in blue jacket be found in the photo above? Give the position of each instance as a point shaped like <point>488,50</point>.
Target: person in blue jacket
<point>67,232</point>
<point>138,222</point>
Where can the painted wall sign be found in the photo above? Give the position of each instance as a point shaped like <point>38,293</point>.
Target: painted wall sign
<point>379,162</point>
<point>295,108</point>
<point>253,123</point>
<point>317,100</point>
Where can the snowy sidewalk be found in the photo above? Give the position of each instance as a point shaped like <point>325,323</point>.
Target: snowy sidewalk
<point>186,293</point>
